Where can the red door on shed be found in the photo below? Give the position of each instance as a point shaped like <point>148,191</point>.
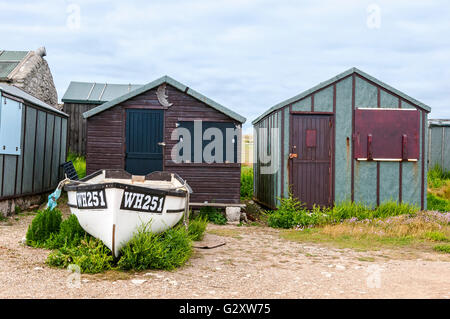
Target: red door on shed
<point>310,160</point>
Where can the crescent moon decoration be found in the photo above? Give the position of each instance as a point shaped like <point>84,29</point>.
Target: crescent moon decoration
<point>162,96</point>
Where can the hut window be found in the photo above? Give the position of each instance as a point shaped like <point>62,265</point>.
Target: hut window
<point>10,126</point>
<point>387,134</point>
<point>216,143</point>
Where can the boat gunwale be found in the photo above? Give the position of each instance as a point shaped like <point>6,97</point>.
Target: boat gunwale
<point>99,186</point>
<point>122,174</point>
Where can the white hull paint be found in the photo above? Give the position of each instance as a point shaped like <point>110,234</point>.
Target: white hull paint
<point>128,206</point>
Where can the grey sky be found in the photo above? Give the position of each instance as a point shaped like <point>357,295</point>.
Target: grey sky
<point>247,55</point>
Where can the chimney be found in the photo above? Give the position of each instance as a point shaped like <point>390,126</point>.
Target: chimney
<point>41,52</point>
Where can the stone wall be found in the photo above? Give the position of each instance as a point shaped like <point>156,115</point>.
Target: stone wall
<point>8,206</point>
<point>34,77</point>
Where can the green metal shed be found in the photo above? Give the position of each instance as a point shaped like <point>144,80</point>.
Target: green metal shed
<point>32,146</point>
<point>351,137</point>
<point>439,143</point>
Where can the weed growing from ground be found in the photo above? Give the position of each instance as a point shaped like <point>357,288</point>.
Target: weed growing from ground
<point>213,215</point>
<point>442,248</point>
<point>246,182</point>
<point>91,255</point>
<point>44,225</point>
<point>70,234</point>
<point>196,228</point>
<point>437,203</point>
<point>292,213</point>
<point>148,250</point>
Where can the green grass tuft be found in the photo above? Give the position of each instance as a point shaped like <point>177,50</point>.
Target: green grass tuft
<point>246,183</point>
<point>45,224</point>
<point>69,235</point>
<point>291,213</point>
<point>442,248</point>
<point>91,255</point>
<point>196,228</point>
<point>437,177</point>
<point>212,215</point>
<point>79,163</point>
<point>436,236</point>
<point>148,250</point>
<point>437,203</point>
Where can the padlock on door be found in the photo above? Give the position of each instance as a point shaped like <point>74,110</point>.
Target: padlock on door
<point>293,153</point>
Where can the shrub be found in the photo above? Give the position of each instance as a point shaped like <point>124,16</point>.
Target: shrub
<point>147,250</point>
<point>246,182</point>
<point>46,223</point>
<point>288,214</point>
<point>70,234</point>
<point>197,228</point>
<point>442,248</point>
<point>91,255</point>
<point>213,215</point>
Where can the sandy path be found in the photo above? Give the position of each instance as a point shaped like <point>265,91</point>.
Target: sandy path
<point>254,263</point>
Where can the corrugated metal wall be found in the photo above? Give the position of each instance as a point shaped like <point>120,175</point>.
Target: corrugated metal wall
<point>439,146</point>
<point>373,182</point>
<point>37,168</point>
<point>267,187</point>
<point>77,126</point>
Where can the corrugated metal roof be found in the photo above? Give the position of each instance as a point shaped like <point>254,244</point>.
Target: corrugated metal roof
<point>95,93</point>
<point>9,60</point>
<point>439,122</point>
<point>337,78</point>
<point>12,90</point>
<point>174,83</point>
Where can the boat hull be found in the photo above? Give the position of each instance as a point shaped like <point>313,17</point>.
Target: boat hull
<point>113,212</point>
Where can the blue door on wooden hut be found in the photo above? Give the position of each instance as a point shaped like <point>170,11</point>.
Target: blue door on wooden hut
<point>144,133</point>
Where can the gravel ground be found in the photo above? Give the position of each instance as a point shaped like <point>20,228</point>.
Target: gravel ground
<point>254,263</point>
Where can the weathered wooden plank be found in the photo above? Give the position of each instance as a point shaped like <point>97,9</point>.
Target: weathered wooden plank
<point>39,152</point>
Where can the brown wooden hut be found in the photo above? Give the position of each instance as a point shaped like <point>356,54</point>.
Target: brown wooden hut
<point>135,132</point>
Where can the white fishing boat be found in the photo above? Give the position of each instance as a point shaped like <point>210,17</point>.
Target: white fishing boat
<point>111,204</point>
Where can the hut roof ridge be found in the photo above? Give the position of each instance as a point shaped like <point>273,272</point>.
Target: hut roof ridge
<point>165,79</point>
<point>335,79</point>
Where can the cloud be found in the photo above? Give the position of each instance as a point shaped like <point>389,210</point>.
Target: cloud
<point>247,55</point>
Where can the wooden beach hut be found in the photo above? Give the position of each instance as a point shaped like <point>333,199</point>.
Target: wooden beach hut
<point>136,132</point>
